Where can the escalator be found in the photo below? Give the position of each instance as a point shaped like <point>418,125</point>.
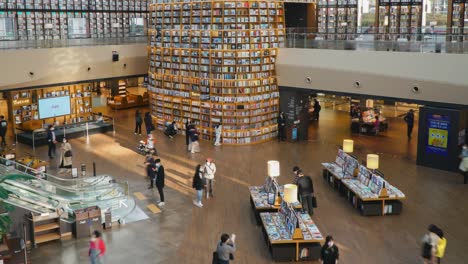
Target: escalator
<point>45,193</point>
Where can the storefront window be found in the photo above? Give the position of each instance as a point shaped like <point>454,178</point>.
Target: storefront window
<point>78,28</point>
<point>137,26</point>
<point>7,28</point>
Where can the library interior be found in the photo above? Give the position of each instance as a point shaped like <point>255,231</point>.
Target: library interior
<point>274,131</point>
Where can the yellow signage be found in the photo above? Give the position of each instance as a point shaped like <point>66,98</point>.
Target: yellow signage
<point>22,101</point>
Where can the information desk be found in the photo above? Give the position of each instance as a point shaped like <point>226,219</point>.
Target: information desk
<point>70,131</point>
<point>370,194</point>
<point>281,244</point>
<point>259,202</point>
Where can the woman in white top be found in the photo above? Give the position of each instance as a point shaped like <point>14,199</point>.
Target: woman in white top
<point>209,173</point>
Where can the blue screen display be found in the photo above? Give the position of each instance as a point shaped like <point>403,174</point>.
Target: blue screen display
<point>52,107</point>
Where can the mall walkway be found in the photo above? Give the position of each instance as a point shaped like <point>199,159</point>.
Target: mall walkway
<point>182,233</point>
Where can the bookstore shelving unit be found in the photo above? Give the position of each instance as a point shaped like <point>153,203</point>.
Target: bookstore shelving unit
<point>24,103</point>
<point>399,19</point>
<point>54,19</point>
<point>337,19</point>
<point>457,20</point>
<point>214,62</point>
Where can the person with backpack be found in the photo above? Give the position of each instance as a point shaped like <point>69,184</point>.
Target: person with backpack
<point>225,249</point>
<point>138,122</point>
<point>3,129</point>
<point>440,250</point>
<point>305,189</point>
<point>429,245</point>
<point>198,184</point>
<point>209,173</point>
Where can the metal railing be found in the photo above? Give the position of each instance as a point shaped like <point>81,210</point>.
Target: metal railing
<point>374,40</point>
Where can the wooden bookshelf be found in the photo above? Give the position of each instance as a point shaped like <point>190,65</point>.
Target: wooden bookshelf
<point>457,20</point>
<point>337,19</point>
<point>214,62</point>
<point>45,228</point>
<point>397,19</point>
<point>24,104</point>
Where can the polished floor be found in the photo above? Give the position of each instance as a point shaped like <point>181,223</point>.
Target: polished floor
<point>182,233</point>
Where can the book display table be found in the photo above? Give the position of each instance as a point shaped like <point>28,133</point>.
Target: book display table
<point>279,235</point>
<point>368,192</point>
<point>259,202</point>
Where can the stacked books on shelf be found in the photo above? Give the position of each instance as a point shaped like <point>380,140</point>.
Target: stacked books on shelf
<point>281,225</point>
<point>400,19</point>
<point>220,54</point>
<point>344,165</point>
<point>337,19</point>
<point>370,185</point>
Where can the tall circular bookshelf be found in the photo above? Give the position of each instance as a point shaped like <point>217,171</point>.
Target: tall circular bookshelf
<point>214,62</point>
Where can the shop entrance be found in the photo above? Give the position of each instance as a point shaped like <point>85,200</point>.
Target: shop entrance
<point>381,126</point>
<point>376,126</point>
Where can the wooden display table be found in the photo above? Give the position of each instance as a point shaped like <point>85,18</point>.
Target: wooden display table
<point>282,244</point>
<point>259,202</point>
<point>365,190</point>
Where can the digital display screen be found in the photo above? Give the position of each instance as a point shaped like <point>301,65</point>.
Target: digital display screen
<point>55,106</point>
<point>438,131</point>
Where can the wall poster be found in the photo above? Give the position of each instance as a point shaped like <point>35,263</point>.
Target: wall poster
<point>438,130</point>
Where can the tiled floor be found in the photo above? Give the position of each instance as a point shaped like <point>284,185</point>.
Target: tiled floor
<point>182,233</point>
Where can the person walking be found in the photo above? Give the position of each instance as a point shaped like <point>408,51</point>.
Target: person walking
<point>440,249</point>
<point>148,123</point>
<point>194,145</point>
<point>409,119</point>
<point>51,140</point>
<point>198,184</point>
<point>3,129</point>
<point>226,247</point>
<point>463,167</point>
<point>281,127</point>
<point>160,175</point>
<point>305,189</point>
<point>97,248</point>
<point>209,173</point>
<point>138,122</point>
<point>65,157</point>
<point>329,253</point>
<point>317,108</point>
<point>429,245</point>
<point>218,129</point>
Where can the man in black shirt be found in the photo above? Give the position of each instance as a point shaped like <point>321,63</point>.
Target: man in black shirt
<point>409,119</point>
<point>306,192</point>
<point>160,178</point>
<point>281,127</point>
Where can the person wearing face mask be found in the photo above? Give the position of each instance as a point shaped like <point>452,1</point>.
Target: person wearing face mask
<point>329,253</point>
<point>160,181</point>
<point>65,157</point>
<point>209,173</point>
<point>51,140</point>
<point>464,163</point>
